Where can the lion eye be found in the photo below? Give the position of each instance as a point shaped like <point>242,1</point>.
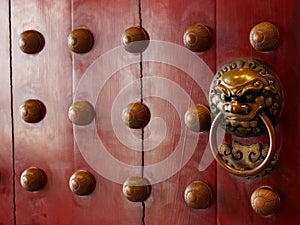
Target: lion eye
<point>249,97</point>
<point>225,98</point>
<point>257,84</point>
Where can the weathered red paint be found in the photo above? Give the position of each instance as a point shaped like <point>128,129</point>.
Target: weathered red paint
<point>6,156</point>
<point>53,75</point>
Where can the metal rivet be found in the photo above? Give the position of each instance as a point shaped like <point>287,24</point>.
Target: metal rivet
<point>197,38</point>
<point>135,39</point>
<point>198,195</point>
<point>81,113</point>
<point>31,41</point>
<point>264,37</point>
<point>136,189</point>
<point>33,179</point>
<point>32,111</point>
<point>80,41</point>
<point>258,37</point>
<point>265,201</point>
<point>198,118</point>
<point>136,115</point>
<point>82,182</point>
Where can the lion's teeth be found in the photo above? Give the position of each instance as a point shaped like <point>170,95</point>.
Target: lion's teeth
<point>253,123</point>
<point>227,122</point>
<point>245,124</point>
<point>234,123</point>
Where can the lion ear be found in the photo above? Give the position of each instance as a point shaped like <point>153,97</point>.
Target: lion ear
<point>271,89</point>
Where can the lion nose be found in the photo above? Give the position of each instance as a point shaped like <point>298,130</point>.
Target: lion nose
<point>237,108</point>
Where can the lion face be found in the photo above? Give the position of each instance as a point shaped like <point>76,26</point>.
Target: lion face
<point>241,90</point>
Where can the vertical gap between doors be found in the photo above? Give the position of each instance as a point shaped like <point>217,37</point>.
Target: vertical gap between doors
<point>12,112</point>
<point>141,95</point>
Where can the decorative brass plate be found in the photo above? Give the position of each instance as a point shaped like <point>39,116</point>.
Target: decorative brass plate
<point>243,157</point>
<point>246,99</point>
<point>244,171</point>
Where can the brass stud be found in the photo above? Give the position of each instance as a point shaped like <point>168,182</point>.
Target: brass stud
<point>264,37</point>
<point>135,39</point>
<point>32,111</point>
<point>265,201</point>
<point>136,189</point>
<point>31,42</point>
<point>81,113</point>
<point>33,179</point>
<point>136,115</point>
<point>197,38</point>
<point>198,195</point>
<point>80,41</point>
<point>82,182</point>
<point>198,118</point>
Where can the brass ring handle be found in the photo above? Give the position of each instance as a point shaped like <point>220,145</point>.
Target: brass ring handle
<point>250,172</point>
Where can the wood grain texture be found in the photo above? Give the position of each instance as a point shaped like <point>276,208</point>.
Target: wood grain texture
<point>48,145</point>
<point>107,20</point>
<point>6,156</point>
<point>166,22</point>
<point>173,79</point>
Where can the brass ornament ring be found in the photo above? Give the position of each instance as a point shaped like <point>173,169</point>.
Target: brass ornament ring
<point>238,172</point>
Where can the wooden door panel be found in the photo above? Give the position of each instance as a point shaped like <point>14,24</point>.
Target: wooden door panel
<point>235,19</point>
<point>169,78</point>
<point>48,144</point>
<point>6,150</point>
<point>107,20</point>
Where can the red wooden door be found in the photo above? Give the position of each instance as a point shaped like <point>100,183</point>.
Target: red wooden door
<point>168,78</point>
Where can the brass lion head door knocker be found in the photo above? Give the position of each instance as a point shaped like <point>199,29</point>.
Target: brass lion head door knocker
<point>246,100</point>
